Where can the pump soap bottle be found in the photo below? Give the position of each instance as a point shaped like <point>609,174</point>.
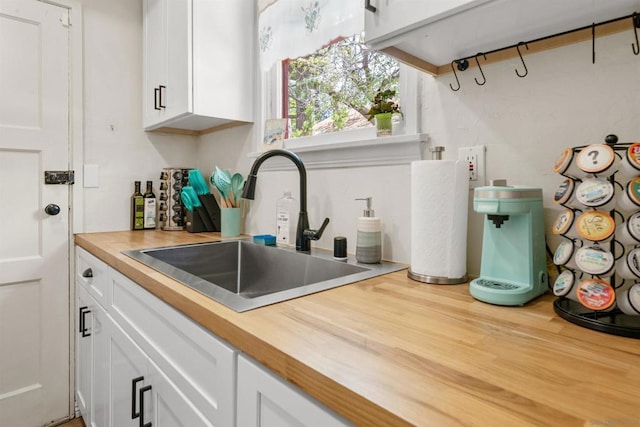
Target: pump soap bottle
<point>369,241</point>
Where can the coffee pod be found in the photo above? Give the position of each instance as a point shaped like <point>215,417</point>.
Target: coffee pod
<point>595,260</point>
<point>630,163</point>
<point>598,160</point>
<point>596,226</point>
<point>629,300</point>
<point>566,286</point>
<point>628,233</point>
<point>596,193</point>
<point>628,267</point>
<point>565,165</point>
<point>565,195</point>
<point>564,254</point>
<point>564,225</point>
<point>596,294</point>
<point>629,198</point>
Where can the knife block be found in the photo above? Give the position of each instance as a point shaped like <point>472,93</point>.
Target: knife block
<point>194,223</point>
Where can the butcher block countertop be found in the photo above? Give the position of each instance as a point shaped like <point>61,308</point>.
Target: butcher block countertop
<point>391,351</point>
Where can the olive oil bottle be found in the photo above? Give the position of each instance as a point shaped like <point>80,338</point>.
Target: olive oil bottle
<point>137,208</point>
<point>150,207</point>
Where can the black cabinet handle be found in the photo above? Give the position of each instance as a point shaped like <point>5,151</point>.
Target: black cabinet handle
<point>367,5</point>
<point>161,92</point>
<point>141,397</point>
<point>156,91</point>
<point>134,381</point>
<point>87,273</point>
<point>82,328</point>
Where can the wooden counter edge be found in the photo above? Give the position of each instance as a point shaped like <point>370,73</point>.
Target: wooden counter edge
<point>339,398</point>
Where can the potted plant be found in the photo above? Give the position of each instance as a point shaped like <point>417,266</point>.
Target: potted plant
<point>383,107</point>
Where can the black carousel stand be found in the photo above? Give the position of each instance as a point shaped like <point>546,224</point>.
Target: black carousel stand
<point>613,322</point>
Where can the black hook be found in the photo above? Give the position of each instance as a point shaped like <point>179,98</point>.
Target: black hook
<point>456,76</point>
<point>635,18</point>
<point>481,72</point>
<point>522,60</point>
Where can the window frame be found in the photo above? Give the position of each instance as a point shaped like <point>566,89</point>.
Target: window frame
<point>347,148</point>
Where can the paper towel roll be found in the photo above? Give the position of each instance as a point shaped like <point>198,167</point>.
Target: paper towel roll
<point>439,203</point>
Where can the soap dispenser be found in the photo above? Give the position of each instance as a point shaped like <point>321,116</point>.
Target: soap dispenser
<point>369,240</point>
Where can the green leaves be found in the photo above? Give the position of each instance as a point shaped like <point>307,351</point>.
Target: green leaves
<point>384,102</point>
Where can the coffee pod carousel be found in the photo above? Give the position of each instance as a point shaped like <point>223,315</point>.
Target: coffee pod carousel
<point>599,257</point>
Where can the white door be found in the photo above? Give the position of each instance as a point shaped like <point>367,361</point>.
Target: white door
<point>34,246</point>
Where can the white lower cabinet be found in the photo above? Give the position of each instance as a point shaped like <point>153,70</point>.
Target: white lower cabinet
<point>265,400</point>
<point>126,379</point>
<point>139,362</point>
<point>141,394</point>
<point>91,358</point>
<point>84,352</point>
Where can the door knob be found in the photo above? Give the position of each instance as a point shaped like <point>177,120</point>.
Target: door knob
<point>52,209</point>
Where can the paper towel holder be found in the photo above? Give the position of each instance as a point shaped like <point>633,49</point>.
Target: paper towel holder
<point>436,280</point>
<point>436,152</point>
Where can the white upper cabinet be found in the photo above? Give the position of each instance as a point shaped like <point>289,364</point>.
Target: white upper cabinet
<point>198,63</point>
<point>428,34</point>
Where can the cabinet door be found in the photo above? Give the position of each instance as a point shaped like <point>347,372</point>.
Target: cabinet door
<point>265,400</point>
<point>127,375</point>
<point>99,367</point>
<point>167,60</point>
<point>201,365</point>
<point>155,59</point>
<point>395,16</point>
<point>177,96</point>
<point>168,406</point>
<point>84,352</point>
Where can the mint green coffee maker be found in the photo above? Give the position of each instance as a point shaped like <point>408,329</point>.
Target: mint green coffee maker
<point>513,270</point>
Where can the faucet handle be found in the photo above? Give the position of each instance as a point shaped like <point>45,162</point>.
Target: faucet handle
<point>316,234</point>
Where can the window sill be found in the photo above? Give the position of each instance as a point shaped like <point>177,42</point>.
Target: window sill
<point>377,151</point>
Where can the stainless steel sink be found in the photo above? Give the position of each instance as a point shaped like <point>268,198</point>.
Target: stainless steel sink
<point>243,275</point>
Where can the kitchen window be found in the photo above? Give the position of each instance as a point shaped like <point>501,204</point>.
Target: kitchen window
<point>283,28</point>
<point>331,89</point>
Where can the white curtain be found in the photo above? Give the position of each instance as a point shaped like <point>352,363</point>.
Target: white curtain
<point>294,28</point>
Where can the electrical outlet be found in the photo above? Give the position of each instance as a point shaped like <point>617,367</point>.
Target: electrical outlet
<point>474,155</point>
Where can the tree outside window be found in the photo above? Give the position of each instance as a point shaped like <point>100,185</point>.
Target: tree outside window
<point>332,89</point>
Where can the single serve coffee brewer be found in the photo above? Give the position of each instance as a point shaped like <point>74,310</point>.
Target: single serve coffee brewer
<point>513,270</point>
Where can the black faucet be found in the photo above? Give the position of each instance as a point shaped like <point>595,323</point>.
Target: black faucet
<point>303,234</point>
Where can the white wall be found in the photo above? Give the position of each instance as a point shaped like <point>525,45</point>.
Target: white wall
<point>113,135</point>
<point>524,122</point>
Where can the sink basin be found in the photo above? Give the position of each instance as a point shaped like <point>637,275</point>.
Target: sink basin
<point>243,275</point>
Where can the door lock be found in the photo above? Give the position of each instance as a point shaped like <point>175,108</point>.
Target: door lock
<point>52,209</point>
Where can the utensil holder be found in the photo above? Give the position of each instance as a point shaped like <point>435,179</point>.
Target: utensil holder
<point>230,218</point>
